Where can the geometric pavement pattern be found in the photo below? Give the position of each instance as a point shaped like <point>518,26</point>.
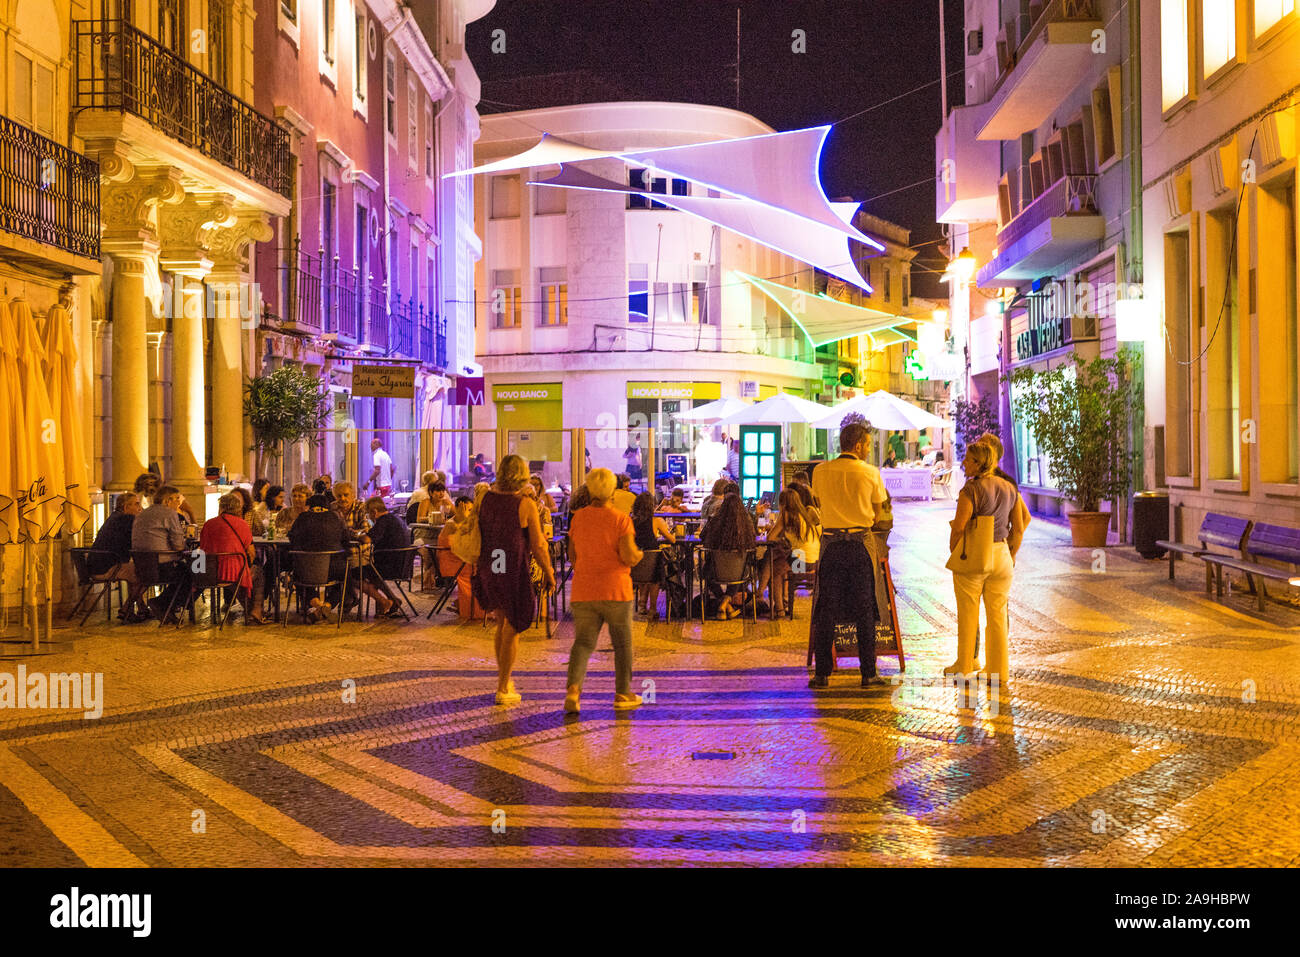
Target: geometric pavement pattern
<point>1144,724</point>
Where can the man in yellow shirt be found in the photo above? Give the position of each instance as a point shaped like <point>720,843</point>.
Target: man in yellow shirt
<point>852,496</point>
<point>623,497</point>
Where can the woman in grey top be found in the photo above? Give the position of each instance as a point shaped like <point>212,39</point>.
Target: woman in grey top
<point>985,494</point>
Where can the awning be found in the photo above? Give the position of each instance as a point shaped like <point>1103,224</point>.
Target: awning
<point>826,320</point>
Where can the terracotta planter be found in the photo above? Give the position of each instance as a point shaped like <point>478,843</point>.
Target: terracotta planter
<point>1088,529</point>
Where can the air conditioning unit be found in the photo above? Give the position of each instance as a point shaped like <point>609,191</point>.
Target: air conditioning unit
<point>1083,328</point>
<point>974,42</point>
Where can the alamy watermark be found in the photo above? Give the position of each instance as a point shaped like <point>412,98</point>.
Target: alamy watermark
<point>75,691</point>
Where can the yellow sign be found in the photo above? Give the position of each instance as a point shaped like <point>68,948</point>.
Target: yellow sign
<point>383,382</point>
<point>674,390</point>
<point>528,392</point>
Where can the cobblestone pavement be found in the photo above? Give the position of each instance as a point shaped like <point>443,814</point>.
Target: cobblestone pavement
<point>1145,724</point>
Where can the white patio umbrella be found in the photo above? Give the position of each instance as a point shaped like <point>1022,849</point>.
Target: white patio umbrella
<point>780,409</point>
<point>883,410</point>
<point>710,412</point>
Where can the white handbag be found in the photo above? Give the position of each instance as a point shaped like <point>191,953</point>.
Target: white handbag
<point>974,552</point>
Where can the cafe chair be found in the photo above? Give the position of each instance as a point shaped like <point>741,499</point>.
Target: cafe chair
<point>446,584</point>
<point>83,560</point>
<point>317,571</point>
<point>396,565</point>
<point>151,572</point>
<point>726,569</point>
<point>219,588</point>
<point>647,572</point>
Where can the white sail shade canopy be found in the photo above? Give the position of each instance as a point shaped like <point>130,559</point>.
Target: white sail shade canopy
<point>780,409</point>
<point>775,169</point>
<point>825,320</point>
<point>549,151</point>
<point>773,193</point>
<point>883,410</point>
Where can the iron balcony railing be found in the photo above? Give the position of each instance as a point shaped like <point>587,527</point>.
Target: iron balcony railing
<point>377,319</point>
<point>122,68</point>
<point>48,193</point>
<point>1020,32</point>
<point>1072,195</point>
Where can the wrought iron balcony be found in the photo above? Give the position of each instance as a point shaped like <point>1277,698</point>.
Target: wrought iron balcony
<point>377,319</point>
<point>122,68</point>
<point>48,193</point>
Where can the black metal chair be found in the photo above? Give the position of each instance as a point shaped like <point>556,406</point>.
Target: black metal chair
<point>647,571</point>
<point>84,561</point>
<point>316,571</point>
<point>220,589</point>
<point>394,566</point>
<point>151,572</point>
<point>446,583</point>
<point>726,569</point>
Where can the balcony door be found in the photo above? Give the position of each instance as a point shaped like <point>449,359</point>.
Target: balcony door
<point>171,26</point>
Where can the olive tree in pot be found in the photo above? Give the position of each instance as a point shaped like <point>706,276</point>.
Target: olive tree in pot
<point>1080,415</point>
<point>287,406</point>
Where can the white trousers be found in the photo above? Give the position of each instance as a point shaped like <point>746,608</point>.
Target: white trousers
<point>995,588</point>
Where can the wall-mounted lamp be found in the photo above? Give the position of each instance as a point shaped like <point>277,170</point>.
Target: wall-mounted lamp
<point>1134,320</point>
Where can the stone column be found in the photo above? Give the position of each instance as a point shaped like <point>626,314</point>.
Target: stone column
<point>189,443</point>
<point>237,312</point>
<point>185,230</point>
<point>129,203</point>
<point>130,372</point>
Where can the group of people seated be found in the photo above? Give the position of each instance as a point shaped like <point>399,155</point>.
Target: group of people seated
<point>327,517</point>
<point>728,533</point>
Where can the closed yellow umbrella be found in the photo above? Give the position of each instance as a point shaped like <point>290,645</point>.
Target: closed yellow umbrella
<point>13,451</point>
<point>41,516</point>
<point>61,361</point>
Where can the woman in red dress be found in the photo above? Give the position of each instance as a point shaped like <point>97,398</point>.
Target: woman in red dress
<point>511,534</point>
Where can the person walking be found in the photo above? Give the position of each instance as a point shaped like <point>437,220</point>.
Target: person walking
<point>985,494</point>
<point>381,474</point>
<point>602,544</point>
<point>510,532</point>
<point>852,495</point>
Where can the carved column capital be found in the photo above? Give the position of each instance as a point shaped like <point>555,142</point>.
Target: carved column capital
<point>229,244</point>
<point>130,208</point>
<point>185,231</point>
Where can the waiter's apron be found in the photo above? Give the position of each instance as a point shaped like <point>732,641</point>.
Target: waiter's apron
<point>846,595</point>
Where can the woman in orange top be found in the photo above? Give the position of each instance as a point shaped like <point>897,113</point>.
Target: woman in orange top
<point>603,546</point>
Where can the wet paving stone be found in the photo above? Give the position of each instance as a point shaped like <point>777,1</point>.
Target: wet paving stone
<point>1145,724</point>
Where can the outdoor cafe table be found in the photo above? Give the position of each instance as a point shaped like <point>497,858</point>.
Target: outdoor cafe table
<point>909,482</point>
<point>686,546</point>
<point>276,551</point>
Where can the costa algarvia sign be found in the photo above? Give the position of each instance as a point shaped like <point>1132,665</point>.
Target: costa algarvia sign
<point>383,382</point>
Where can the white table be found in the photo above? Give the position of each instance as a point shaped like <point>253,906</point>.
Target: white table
<point>909,482</point>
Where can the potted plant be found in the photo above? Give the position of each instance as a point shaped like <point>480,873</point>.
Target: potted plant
<point>972,419</point>
<point>1080,414</point>
<point>287,406</point>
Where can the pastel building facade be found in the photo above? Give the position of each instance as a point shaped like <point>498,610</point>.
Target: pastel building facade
<point>1220,105</point>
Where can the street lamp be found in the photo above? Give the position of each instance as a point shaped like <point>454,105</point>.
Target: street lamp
<point>963,267</point>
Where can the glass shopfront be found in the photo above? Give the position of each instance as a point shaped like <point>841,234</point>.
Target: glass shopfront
<point>654,405</point>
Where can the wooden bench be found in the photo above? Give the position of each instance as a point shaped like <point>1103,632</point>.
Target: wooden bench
<point>1266,541</point>
<point>1221,531</point>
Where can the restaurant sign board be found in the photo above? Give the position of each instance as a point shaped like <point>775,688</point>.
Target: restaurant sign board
<point>383,382</point>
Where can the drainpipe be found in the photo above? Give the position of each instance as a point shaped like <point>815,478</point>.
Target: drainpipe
<point>1137,434</point>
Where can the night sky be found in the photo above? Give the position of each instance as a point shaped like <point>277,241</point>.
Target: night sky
<point>859,54</point>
